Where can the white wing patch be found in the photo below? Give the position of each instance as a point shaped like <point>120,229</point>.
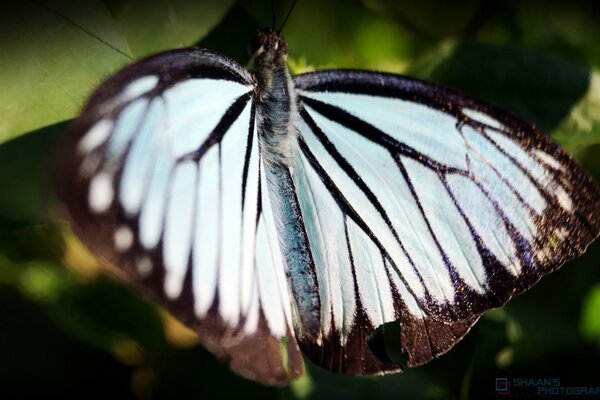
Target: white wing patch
<point>448,227</point>
<point>206,240</point>
<point>373,284</point>
<point>153,209</point>
<point>177,234</point>
<point>436,192</point>
<point>548,159</point>
<point>232,162</point>
<point>362,205</point>
<point>95,136</point>
<point>123,238</point>
<point>408,122</point>
<point>176,165</point>
<point>194,110</point>
<point>101,192</point>
<point>140,158</point>
<point>324,223</point>
<point>133,90</point>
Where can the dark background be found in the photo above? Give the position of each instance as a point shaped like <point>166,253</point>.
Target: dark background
<point>67,327</point>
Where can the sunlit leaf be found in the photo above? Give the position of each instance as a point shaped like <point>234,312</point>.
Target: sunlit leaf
<point>429,19</point>
<point>590,318</point>
<point>53,54</point>
<point>573,31</point>
<point>152,26</point>
<point>538,87</point>
<point>581,128</point>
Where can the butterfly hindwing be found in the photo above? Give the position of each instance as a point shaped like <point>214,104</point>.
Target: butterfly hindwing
<point>163,176</point>
<point>424,206</point>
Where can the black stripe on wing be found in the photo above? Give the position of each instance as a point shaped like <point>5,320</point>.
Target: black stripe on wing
<point>470,302</point>
<point>473,304</point>
<point>585,193</point>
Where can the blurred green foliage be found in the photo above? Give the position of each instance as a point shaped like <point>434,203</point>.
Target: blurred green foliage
<point>67,330</point>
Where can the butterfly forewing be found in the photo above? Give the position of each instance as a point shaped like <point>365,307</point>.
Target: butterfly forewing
<point>436,208</point>
<point>162,175</point>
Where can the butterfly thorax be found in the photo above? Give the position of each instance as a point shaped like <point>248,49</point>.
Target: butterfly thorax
<point>276,103</point>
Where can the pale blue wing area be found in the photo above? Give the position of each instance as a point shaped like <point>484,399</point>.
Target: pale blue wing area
<point>417,200</point>
<point>186,172</point>
<point>163,174</point>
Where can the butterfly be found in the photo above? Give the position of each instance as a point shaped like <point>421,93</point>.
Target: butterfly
<point>280,215</point>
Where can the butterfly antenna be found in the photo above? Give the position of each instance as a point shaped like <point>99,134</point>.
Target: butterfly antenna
<point>287,16</point>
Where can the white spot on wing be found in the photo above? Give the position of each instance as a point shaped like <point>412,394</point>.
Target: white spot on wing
<point>561,233</point>
<point>563,198</point>
<point>548,159</point>
<point>123,238</point>
<point>96,136</point>
<point>144,266</point>
<point>101,192</point>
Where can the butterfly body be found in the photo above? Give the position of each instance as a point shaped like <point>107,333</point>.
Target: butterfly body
<point>273,214</point>
<point>277,111</point>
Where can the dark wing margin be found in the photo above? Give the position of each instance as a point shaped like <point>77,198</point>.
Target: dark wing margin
<point>160,144</point>
<point>435,204</point>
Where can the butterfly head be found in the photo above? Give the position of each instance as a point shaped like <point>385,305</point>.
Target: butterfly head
<point>268,48</point>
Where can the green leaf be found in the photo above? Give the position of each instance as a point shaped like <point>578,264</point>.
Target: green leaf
<point>323,384</point>
<point>152,26</point>
<point>581,128</point>
<point>345,36</point>
<point>87,312</point>
<point>26,168</point>
<point>590,319</point>
<point>538,87</point>
<point>429,19</point>
<point>561,28</point>
<point>54,53</point>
